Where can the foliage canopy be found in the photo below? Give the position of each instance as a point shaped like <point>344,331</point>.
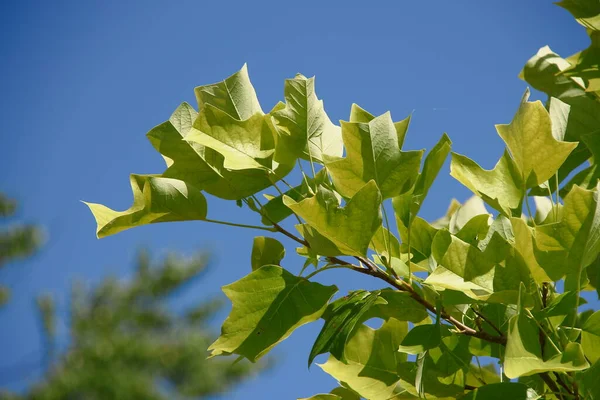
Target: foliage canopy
<point>472,284</point>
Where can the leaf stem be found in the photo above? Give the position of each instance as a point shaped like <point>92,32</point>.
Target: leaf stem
<point>264,228</point>
<point>402,286</point>
<point>336,266</point>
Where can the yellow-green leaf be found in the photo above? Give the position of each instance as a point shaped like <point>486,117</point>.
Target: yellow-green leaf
<point>536,152</point>
<point>266,251</point>
<point>523,355</point>
<point>268,305</point>
<point>500,187</point>
<point>234,96</point>
<point>155,199</point>
<point>371,360</point>
<point>373,153</point>
<point>305,128</point>
<point>351,227</point>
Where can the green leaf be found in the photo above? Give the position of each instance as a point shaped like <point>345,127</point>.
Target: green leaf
<point>590,337</point>
<point>501,391</point>
<point>466,261</point>
<point>543,72</point>
<point>574,242</point>
<point>202,166</point>
<point>523,355</point>
<point>258,322</point>
<point>420,339</point>
<point>537,154</point>
<point>371,360</point>
<point>386,243</point>
<point>351,227</point>
<point>407,206</point>
<point>398,305</point>
<point>304,126</point>
<point>373,153</point>
<point>465,213</point>
<point>234,96</point>
<point>266,251</point>
<point>590,384</point>
<point>275,211</point>
<point>586,12</point>
<point>500,187</point>
<point>155,199</point>
<point>247,144</point>
<point>524,245</point>
<point>358,114</point>
<point>585,64</point>
<point>322,396</point>
<point>341,318</point>
<point>319,244</point>
<point>185,161</point>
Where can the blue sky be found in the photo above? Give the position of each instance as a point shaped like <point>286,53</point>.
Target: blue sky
<point>82,82</point>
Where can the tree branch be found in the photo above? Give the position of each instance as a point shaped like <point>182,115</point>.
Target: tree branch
<point>403,286</point>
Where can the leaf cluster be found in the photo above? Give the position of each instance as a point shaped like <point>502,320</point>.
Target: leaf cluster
<point>504,284</point>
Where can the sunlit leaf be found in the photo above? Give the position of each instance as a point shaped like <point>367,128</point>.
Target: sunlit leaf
<point>574,242</point>
<point>351,227</point>
<point>373,153</point>
<point>305,128</point>
<point>524,354</point>
<point>266,251</point>
<point>501,391</point>
<point>341,318</point>
<point>257,323</point>
<point>370,360</point>
<point>537,154</point>
<point>155,199</point>
<point>590,337</point>
<point>500,187</point>
<point>234,96</point>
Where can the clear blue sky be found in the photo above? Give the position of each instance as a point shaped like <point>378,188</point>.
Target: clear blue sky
<point>82,82</point>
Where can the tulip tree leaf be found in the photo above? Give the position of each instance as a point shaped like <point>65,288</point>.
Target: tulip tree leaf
<point>587,13</point>
<point>373,153</point>
<point>590,337</point>
<point>407,206</point>
<point>155,199</point>
<point>341,318</point>
<point>420,339</point>
<point>185,161</point>
<point>524,245</point>
<point>258,322</point>
<point>543,71</point>
<point>358,114</point>
<point>398,305</point>
<point>501,391</point>
<point>275,211</point>
<point>305,128</point>
<point>523,355</point>
<point>574,242</point>
<point>370,360</point>
<point>266,251</point>
<point>322,396</point>
<point>246,144</point>
<point>350,228</point>
<point>465,260</point>
<point>500,187</point>
<point>537,154</point>
<point>234,96</point>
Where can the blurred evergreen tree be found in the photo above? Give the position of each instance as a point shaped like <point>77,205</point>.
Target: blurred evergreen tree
<point>17,240</point>
<point>126,343</point>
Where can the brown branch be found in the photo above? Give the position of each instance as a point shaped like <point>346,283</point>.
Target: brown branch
<point>550,383</point>
<point>403,286</point>
<point>489,322</point>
